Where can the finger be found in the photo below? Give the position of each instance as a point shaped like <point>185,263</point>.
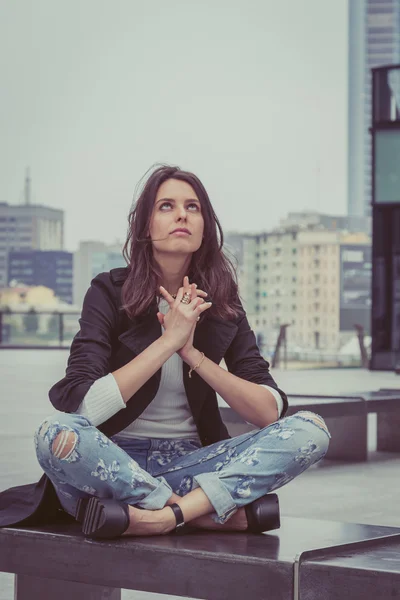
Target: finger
<point>203,307</point>
<point>165,294</point>
<point>187,287</point>
<point>195,303</point>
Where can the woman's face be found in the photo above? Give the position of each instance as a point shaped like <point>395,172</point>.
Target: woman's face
<point>176,206</point>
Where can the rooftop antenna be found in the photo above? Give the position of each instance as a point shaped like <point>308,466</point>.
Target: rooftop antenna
<point>27,187</point>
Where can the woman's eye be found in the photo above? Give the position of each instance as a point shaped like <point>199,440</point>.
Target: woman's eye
<point>197,207</point>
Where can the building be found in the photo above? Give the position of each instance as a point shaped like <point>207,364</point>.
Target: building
<point>50,268</point>
<point>26,227</point>
<point>93,258</point>
<point>311,277</point>
<point>374,40</point>
<point>334,289</point>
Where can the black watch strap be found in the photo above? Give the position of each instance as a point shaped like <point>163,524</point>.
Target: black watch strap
<point>180,520</point>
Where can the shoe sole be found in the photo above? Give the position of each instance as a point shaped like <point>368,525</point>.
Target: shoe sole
<point>94,516</point>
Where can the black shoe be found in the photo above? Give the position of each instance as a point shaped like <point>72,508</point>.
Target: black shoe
<point>102,518</point>
<point>263,514</point>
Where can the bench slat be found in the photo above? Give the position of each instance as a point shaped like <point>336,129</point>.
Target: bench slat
<point>28,587</point>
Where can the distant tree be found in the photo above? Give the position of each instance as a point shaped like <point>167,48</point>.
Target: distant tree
<point>31,321</point>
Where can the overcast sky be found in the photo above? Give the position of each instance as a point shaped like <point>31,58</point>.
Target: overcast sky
<point>251,95</point>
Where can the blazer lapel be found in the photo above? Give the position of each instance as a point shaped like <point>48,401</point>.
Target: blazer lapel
<point>214,336</point>
<point>143,331</point>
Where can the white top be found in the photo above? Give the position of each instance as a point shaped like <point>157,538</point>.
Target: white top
<point>168,414</point>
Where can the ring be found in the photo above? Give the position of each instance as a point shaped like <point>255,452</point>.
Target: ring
<point>187,296</point>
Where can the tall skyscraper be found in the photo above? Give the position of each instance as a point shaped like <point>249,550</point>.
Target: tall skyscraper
<point>374,40</point>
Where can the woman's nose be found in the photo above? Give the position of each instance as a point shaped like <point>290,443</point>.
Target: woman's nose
<point>181,212</point>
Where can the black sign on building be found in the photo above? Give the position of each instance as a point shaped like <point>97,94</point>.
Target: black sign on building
<point>385,321</point>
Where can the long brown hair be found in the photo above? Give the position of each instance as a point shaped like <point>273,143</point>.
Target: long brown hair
<point>210,267</point>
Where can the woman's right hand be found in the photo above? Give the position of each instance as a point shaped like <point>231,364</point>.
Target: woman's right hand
<point>180,319</point>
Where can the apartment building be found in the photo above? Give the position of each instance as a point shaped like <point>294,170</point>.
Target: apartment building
<point>314,279</point>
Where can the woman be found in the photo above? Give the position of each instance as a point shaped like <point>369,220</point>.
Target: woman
<point>138,446</point>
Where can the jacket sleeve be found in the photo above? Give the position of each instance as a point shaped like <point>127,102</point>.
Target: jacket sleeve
<point>91,348</point>
<point>244,360</point>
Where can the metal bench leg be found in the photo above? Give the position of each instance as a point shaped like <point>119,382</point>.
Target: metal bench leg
<point>30,588</point>
<point>388,432</point>
<point>349,438</point>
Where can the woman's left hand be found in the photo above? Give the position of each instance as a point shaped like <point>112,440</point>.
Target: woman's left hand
<point>185,350</point>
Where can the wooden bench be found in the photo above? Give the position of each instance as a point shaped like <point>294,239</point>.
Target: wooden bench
<point>56,562</point>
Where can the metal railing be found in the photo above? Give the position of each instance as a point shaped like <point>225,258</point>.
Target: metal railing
<point>55,330</point>
<point>37,329</point>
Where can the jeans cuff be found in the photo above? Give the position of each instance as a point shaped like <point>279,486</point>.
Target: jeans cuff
<point>218,495</point>
<point>157,498</point>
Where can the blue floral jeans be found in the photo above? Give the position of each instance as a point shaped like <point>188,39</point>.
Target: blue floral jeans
<point>232,473</point>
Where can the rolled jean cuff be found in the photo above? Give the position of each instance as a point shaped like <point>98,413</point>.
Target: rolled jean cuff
<point>217,494</point>
<point>157,498</point>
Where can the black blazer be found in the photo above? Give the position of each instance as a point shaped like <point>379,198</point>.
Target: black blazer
<point>106,341</point>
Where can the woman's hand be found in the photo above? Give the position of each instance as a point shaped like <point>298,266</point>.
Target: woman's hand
<point>180,321</point>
